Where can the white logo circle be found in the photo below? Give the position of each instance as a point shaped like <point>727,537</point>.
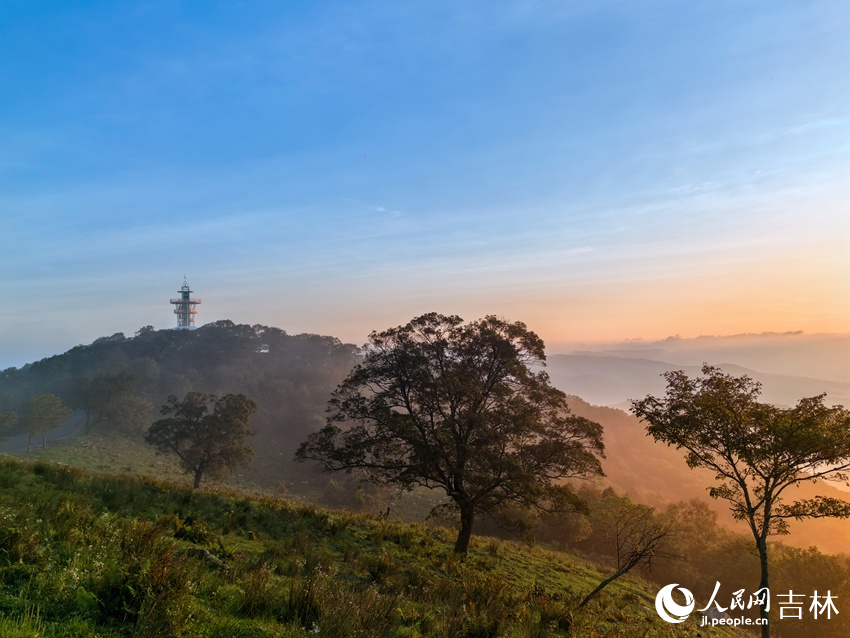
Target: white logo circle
<point>667,607</point>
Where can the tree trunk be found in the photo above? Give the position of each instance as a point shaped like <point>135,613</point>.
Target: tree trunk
<point>29,443</point>
<point>467,517</point>
<point>602,586</point>
<point>764,583</point>
<point>199,472</point>
<point>43,440</point>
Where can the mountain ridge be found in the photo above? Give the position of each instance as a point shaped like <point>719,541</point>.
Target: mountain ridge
<point>612,381</point>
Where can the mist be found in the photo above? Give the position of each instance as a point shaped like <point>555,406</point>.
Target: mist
<point>816,356</point>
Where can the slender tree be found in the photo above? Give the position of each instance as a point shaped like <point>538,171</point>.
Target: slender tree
<point>206,433</point>
<point>457,406</point>
<point>756,451</point>
<point>8,417</point>
<point>7,420</point>
<point>633,534</point>
<point>43,413</point>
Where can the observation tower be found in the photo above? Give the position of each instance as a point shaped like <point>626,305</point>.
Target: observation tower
<point>185,307</point>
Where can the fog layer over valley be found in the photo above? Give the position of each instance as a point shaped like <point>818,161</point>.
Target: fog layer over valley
<point>610,380</point>
<point>795,354</point>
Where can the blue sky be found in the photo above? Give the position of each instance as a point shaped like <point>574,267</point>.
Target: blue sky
<point>599,170</point>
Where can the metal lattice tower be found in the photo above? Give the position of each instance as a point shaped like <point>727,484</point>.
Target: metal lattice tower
<point>185,307</point>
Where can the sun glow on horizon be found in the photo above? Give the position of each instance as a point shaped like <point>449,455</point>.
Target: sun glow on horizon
<point>339,172</point>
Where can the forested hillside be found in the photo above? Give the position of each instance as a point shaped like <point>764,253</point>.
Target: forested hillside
<point>120,383</point>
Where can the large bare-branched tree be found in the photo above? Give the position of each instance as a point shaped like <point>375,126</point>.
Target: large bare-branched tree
<point>463,408</point>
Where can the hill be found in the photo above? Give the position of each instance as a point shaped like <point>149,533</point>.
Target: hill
<point>120,382</point>
<point>292,376</point>
<point>795,354</point>
<point>88,555</point>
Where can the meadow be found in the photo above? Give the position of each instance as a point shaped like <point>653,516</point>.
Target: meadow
<point>87,554</point>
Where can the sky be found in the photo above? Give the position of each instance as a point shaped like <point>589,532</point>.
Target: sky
<point>602,171</point>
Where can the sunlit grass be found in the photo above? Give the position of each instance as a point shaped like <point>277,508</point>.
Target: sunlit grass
<point>87,554</point>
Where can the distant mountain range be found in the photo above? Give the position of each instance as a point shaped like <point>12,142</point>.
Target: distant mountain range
<point>795,354</point>
<point>605,379</point>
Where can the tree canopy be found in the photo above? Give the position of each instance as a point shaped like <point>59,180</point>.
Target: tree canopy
<point>757,451</point>
<point>457,406</point>
<point>206,433</point>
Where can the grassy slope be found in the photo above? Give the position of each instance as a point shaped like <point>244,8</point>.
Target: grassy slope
<point>118,453</point>
<point>87,554</point>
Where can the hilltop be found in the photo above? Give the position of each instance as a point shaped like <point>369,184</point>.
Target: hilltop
<point>289,376</point>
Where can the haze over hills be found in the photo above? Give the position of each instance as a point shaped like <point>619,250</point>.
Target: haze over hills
<point>291,377</point>
<point>603,379</point>
<point>795,354</point>
<point>657,474</point>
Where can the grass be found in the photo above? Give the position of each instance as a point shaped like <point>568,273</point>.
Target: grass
<point>86,554</point>
<point>123,454</point>
<point>117,453</point>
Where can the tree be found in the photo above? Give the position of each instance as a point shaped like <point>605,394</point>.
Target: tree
<point>130,416</point>
<point>102,394</point>
<point>43,413</point>
<point>633,534</point>
<point>699,540</point>
<point>8,417</point>
<point>456,406</point>
<point>7,420</point>
<point>757,451</point>
<point>206,433</point>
